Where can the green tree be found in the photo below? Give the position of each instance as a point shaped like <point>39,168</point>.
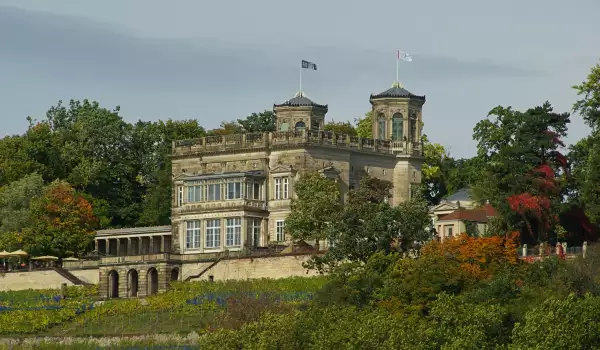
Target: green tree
<point>433,183</point>
<point>259,122</point>
<point>314,209</point>
<point>585,178</point>
<point>589,106</point>
<point>344,128</point>
<point>364,126</point>
<point>226,128</point>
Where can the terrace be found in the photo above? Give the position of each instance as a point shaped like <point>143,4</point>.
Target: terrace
<point>290,139</point>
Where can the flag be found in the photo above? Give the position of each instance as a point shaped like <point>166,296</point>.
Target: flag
<point>309,65</point>
<point>405,56</point>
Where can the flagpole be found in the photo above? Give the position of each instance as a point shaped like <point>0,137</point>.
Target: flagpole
<point>300,92</point>
<point>397,66</point>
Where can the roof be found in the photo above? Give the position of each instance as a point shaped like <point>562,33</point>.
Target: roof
<point>480,214</point>
<point>300,100</point>
<point>464,194</point>
<point>397,90</point>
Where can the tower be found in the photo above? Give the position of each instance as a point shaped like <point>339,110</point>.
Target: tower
<point>397,114</point>
<point>299,113</point>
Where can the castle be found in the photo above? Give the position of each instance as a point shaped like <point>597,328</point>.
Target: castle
<point>232,193</point>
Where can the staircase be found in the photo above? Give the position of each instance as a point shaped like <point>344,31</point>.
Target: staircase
<point>71,277</point>
<point>204,271</point>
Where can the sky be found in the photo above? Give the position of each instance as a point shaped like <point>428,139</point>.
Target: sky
<point>222,60</point>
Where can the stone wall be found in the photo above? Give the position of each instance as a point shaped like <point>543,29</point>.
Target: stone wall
<point>250,268</point>
<point>48,279</point>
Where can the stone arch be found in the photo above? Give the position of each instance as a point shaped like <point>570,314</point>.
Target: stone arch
<point>132,283</point>
<point>174,274</point>
<point>113,284</point>
<point>397,127</point>
<point>152,281</point>
<point>300,126</point>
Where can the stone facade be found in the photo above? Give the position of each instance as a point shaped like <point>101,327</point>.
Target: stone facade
<point>232,193</point>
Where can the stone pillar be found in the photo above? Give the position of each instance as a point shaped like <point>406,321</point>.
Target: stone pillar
<point>244,231</point>
<point>584,249</point>
<point>129,247</point>
<point>151,245</point>
<point>162,244</point>
<point>140,245</point>
<point>118,247</point>
<point>524,250</point>
<point>557,248</point>
<point>107,246</point>
<point>96,245</point>
<point>541,249</point>
<point>565,247</point>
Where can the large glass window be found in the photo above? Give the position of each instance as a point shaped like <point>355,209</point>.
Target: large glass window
<point>234,232</point>
<point>280,230</point>
<point>195,193</point>
<point>282,187</point>
<point>254,231</point>
<point>234,190</point>
<point>381,129</point>
<point>213,233</point>
<point>397,127</point>
<point>213,192</point>
<point>192,234</point>
<point>253,190</point>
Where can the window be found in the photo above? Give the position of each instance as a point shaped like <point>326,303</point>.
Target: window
<point>234,190</point>
<point>254,231</point>
<point>179,196</point>
<point>397,127</point>
<point>253,190</point>
<point>300,126</point>
<point>192,234</point>
<point>214,192</point>
<point>282,187</point>
<point>449,230</point>
<point>213,233</point>
<point>381,129</point>
<point>280,233</point>
<point>413,127</point>
<point>195,193</point>
<point>234,232</point>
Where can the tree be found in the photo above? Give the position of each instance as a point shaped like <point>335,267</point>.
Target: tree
<point>226,128</point>
<point>344,128</point>
<point>314,209</point>
<point>15,200</point>
<point>364,126</point>
<point>259,122</point>
<point>520,153</point>
<point>63,222</point>
<point>589,105</point>
<point>434,186</point>
<point>368,224</point>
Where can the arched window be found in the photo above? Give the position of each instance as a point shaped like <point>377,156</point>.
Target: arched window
<point>300,126</point>
<point>381,128</point>
<point>397,127</point>
<point>413,127</point>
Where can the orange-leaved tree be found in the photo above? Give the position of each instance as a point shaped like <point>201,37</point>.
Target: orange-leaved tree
<point>476,258</point>
<point>63,222</point>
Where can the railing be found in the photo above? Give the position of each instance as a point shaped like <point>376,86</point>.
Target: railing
<point>139,258</point>
<point>82,264</point>
<point>548,250</point>
<point>224,204</point>
<point>294,138</point>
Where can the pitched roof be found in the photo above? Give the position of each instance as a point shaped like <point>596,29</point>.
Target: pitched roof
<point>300,100</point>
<point>464,194</point>
<point>480,214</point>
<point>397,91</point>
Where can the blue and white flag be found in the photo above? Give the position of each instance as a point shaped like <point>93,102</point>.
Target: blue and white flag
<point>309,65</point>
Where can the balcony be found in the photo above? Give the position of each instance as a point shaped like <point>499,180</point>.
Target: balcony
<point>246,204</point>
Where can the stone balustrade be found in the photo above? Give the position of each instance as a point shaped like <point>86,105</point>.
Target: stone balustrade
<point>249,141</point>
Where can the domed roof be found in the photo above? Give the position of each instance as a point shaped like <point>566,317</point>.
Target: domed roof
<point>300,100</point>
<point>397,90</point>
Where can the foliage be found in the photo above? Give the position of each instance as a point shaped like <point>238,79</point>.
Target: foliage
<point>63,222</point>
<point>343,128</point>
<point>364,126</point>
<point>434,186</point>
<point>520,152</point>
<point>314,209</point>
<point>226,128</point>
<point>589,105</point>
<point>259,122</point>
